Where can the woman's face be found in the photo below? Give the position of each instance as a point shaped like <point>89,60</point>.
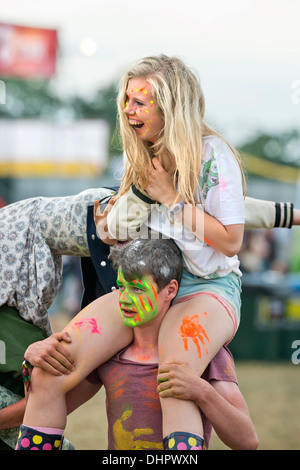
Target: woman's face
<point>143,114</point>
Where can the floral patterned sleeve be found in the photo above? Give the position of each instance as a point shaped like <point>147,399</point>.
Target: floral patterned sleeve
<point>34,234</point>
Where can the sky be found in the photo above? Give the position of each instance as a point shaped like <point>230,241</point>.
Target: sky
<point>246,52</point>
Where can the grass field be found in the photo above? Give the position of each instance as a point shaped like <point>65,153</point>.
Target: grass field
<point>272,394</point>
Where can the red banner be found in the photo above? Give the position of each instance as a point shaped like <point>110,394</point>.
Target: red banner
<point>2,202</point>
<point>27,52</point>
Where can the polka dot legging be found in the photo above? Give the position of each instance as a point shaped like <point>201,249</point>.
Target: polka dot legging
<point>183,441</point>
<point>32,439</point>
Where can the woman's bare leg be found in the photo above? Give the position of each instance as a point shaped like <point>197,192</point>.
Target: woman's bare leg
<point>97,333</point>
<point>192,331</point>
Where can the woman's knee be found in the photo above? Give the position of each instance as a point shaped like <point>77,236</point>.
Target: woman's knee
<point>44,382</point>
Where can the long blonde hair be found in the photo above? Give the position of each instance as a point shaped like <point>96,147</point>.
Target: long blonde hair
<point>178,94</point>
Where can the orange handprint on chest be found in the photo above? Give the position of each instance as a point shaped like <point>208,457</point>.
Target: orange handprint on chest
<point>191,328</point>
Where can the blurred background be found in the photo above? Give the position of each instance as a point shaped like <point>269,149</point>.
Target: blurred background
<point>60,64</point>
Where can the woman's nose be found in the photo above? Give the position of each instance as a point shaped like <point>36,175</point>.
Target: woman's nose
<point>129,108</point>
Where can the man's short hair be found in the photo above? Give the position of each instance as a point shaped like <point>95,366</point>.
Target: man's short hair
<point>159,257</point>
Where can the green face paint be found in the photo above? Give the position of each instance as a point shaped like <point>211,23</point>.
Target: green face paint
<point>137,299</point>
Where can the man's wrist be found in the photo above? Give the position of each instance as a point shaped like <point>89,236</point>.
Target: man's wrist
<point>204,390</point>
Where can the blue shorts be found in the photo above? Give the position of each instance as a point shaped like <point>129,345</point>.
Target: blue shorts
<point>227,290</point>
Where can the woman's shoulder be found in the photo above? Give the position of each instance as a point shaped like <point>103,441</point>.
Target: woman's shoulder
<point>215,146</point>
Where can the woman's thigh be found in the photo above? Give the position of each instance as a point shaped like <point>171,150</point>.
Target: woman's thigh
<point>97,334</point>
<point>193,331</point>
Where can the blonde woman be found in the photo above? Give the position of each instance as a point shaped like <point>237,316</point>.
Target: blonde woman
<point>197,181</point>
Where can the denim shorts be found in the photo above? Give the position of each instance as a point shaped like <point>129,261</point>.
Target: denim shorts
<point>227,290</point>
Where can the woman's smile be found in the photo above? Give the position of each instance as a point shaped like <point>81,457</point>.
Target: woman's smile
<point>143,114</point>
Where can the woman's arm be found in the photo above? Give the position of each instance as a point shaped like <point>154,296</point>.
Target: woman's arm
<point>226,239</point>
<point>260,213</point>
<point>101,222</point>
<point>296,220</point>
<point>128,214</point>
<point>221,402</point>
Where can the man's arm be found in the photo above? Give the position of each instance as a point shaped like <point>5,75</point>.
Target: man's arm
<point>12,416</point>
<point>222,403</point>
<point>81,394</point>
<point>226,409</point>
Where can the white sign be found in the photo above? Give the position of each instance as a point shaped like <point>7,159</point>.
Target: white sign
<point>45,148</point>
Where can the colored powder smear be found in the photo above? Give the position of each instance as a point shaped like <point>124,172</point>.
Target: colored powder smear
<point>91,323</point>
<point>191,328</point>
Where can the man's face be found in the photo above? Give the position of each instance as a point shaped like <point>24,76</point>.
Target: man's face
<point>139,300</point>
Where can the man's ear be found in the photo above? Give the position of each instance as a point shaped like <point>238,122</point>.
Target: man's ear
<point>172,289</point>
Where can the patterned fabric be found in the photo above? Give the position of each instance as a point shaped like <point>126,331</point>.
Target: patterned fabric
<point>210,175</point>
<point>183,441</point>
<point>26,371</point>
<point>10,436</point>
<point>32,439</point>
<point>34,234</point>
<point>7,398</point>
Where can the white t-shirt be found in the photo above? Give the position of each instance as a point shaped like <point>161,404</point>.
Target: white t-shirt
<point>220,195</point>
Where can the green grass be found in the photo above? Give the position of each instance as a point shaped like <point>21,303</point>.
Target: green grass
<point>272,394</point>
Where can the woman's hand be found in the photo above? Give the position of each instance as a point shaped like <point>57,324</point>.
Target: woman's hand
<point>101,221</point>
<point>161,184</point>
<point>178,380</point>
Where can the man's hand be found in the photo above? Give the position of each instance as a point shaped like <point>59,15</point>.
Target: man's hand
<point>51,355</point>
<point>178,380</point>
